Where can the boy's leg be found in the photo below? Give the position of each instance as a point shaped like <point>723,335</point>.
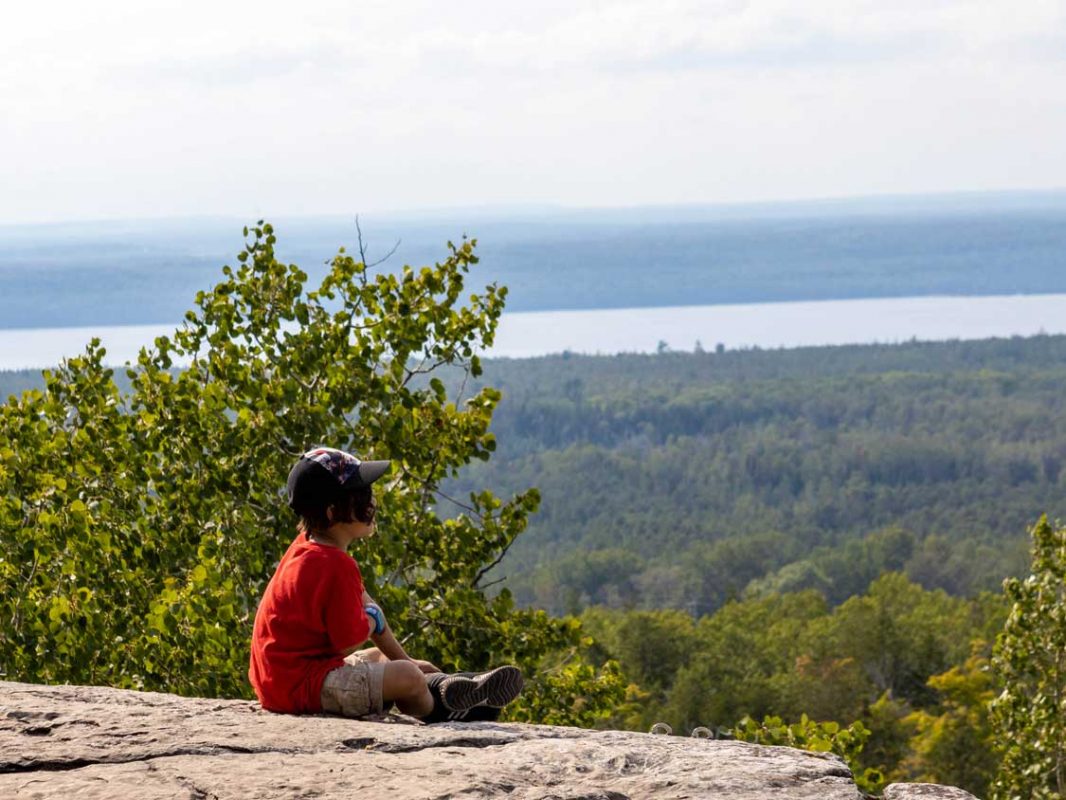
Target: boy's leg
<point>369,683</point>
<point>405,684</point>
<point>371,655</point>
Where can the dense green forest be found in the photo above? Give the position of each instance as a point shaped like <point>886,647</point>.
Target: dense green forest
<point>910,665</point>
<point>681,480</point>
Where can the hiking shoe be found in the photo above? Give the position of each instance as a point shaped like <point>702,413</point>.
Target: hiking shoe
<point>495,688</point>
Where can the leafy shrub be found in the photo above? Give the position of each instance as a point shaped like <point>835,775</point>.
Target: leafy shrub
<point>820,737</point>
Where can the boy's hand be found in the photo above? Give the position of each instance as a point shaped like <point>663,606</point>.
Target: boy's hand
<point>425,666</point>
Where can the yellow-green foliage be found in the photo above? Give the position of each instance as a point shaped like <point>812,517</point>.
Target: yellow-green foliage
<point>953,742</point>
<point>821,737</point>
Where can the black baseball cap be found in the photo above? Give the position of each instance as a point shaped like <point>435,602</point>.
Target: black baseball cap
<point>321,475</point>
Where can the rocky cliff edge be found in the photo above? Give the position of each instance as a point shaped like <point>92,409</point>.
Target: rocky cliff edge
<point>95,742</point>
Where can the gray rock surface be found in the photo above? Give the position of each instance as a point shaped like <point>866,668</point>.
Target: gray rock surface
<point>94,742</point>
<point>76,741</point>
<point>924,791</point>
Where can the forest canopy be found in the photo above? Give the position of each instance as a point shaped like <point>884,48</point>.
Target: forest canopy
<point>681,480</point>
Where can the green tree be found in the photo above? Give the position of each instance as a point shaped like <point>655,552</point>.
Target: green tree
<point>953,743</point>
<point>140,527</point>
<point>899,634</point>
<point>1029,714</point>
<point>735,666</point>
<point>890,736</point>
<point>650,646</point>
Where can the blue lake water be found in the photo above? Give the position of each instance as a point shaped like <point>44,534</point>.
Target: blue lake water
<point>765,325</point>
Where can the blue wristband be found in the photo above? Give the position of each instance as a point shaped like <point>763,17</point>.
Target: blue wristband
<point>376,617</point>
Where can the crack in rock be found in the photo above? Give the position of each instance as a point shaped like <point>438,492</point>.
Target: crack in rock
<point>42,723</point>
<point>478,742</point>
<point>27,715</point>
<point>31,765</point>
<point>362,743</point>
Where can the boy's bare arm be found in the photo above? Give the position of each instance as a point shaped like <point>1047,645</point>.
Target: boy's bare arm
<point>390,647</point>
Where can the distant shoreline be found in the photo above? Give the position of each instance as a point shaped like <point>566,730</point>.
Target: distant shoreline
<point>667,328</point>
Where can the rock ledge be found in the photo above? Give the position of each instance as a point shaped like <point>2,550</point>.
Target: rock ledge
<point>94,742</point>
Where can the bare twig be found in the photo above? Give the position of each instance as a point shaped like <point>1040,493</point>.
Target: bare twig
<point>499,558</point>
<point>369,325</point>
<point>462,505</point>
<point>362,249</point>
<point>396,573</point>
<point>462,386</point>
<point>421,370</point>
<point>385,257</point>
<point>412,372</point>
<point>429,486</point>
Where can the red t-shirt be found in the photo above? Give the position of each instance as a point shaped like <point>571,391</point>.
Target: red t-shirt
<point>311,612</point>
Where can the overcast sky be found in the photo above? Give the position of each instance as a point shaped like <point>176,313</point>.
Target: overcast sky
<point>143,109</point>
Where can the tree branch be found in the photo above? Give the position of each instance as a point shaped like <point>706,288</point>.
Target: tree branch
<point>462,505</point>
<point>499,558</point>
<point>362,250</point>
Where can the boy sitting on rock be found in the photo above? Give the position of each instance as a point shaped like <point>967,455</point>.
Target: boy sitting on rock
<point>315,614</point>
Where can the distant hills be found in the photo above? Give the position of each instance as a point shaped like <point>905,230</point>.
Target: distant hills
<point>140,272</point>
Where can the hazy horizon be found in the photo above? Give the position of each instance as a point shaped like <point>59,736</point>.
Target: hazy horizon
<point>891,203</point>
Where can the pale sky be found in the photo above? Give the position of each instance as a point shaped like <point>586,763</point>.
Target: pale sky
<point>145,109</point>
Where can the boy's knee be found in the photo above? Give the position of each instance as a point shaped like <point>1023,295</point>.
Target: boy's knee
<point>406,678</point>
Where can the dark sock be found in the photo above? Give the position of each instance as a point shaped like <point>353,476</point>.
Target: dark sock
<point>439,712</point>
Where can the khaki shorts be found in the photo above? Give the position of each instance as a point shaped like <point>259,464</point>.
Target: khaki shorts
<point>354,690</point>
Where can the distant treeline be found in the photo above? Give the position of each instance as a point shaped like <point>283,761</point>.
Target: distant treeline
<point>15,382</point>
<point>682,480</point>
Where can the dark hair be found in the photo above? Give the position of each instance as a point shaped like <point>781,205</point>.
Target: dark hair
<point>349,506</point>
